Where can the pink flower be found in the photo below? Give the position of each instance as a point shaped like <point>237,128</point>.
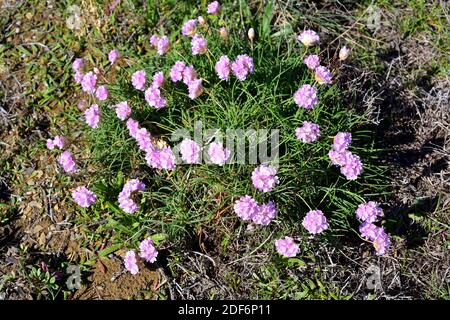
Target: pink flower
<point>101,93</point>
<point>189,75</point>
<point>265,213</point>
<point>369,212</point>
<point>133,127</point>
<point>342,141</point>
<point>123,110</point>
<point>113,55</point>
<point>242,66</point>
<point>154,40</point>
<point>163,45</point>
<point>287,247</point>
<point>50,144</point>
<point>201,20</point>
<point>344,53</point>
<point>195,88</point>
<point>223,33</point>
<point>161,159</point>
<point>190,151</point>
<point>143,139</point>
<point>223,68</point>
<point>83,197</point>
<point>78,77</point>
<point>89,81</point>
<point>67,162</point>
<point>92,116</point>
<point>58,141</point>
<point>382,242</point>
<point>131,262</point>
<point>176,72</point>
<point>246,207</point>
<point>189,28</point>
<point>264,178</point>
<point>309,38</point>
<point>315,222</point>
<point>158,79</point>
<point>310,132</point>
<point>306,96</point>
<point>338,158</point>
<point>138,80</point>
<point>218,154</point>
<point>352,167</point>
<point>154,97</point>
<point>368,230</point>
<point>214,8</point>
<point>198,45</point>
<point>77,65</point>
<point>312,61</point>
<point>148,251</point>
<point>323,75</point>
<point>125,202</point>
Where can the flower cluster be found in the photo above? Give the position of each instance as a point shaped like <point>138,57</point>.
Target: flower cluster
<point>241,67</point>
<point>101,93</point>
<point>309,132</point>
<point>306,96</point>
<point>312,61</point>
<point>147,252</point>
<point>247,208</point>
<point>287,247</point>
<point>315,222</point>
<point>57,142</point>
<point>199,45</point>
<point>190,151</point>
<point>88,82</point>
<point>113,55</point>
<point>214,8</point>
<point>92,116</point>
<point>126,203</point>
<point>368,213</point>
<point>153,94</point>
<point>189,29</point>
<point>218,154</point>
<point>123,111</point>
<point>180,71</point>
<point>67,161</point>
<point>84,197</point>
<point>161,44</point>
<point>264,178</point>
<point>309,38</point>
<point>138,80</point>
<point>323,75</point>
<point>351,166</point>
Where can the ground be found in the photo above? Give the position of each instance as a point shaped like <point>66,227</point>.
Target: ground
<point>398,73</point>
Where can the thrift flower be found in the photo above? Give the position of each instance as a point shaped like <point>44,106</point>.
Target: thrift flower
<point>338,157</point>
<point>323,75</point>
<point>223,68</point>
<point>368,230</point>
<point>218,154</point>
<point>309,38</point>
<point>315,222</point>
<point>113,55</point>
<point>83,197</point>
<point>58,142</point>
<point>189,75</point>
<point>198,45</point>
<point>223,33</point>
<point>306,96</point>
<point>381,242</point>
<point>77,65</point>
<point>133,127</point>
<point>138,80</point>
<point>265,213</point>
<point>50,144</point>
<point>251,34</point>
<point>189,28</point>
<point>154,97</point>
<point>161,159</point>
<point>154,40</point>
<point>163,45</point>
<point>176,72</point>
<point>89,81</point>
<point>344,53</point>
<point>123,110</point>
<point>242,66</point>
<point>201,20</point>
<point>369,212</point>
<point>190,151</point>
<point>158,79</point>
<point>214,7</point>
<point>92,116</point>
<point>78,77</point>
<point>352,167</point>
<point>101,93</point>
<point>128,205</point>
<point>312,61</point>
<point>143,139</point>
<point>264,178</point>
<point>67,162</point>
<point>246,207</point>
<point>148,251</point>
<point>131,263</point>
<point>342,141</point>
<point>195,88</point>
<point>310,132</point>
<point>287,247</point>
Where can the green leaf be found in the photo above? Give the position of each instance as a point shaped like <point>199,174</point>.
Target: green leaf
<point>105,252</point>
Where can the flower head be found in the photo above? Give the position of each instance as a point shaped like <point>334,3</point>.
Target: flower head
<point>78,77</point>
<point>83,197</point>
<point>176,72</point>
<point>264,178</point>
<point>382,242</point>
<point>223,68</point>
<point>214,7</point>
<point>89,81</point>
<point>312,61</point>
<point>154,97</point>
<point>131,262</point>
<point>323,75</point>
<point>352,167</point>
<point>195,88</point>
<point>218,154</point>
<point>189,28</point>
<point>310,132</point>
<point>344,53</point>
<point>77,65</point>
<point>201,20</point>
<point>369,212</point>
<point>113,56</point>
<point>133,127</point>
<point>199,45</point>
<point>189,75</point>
<point>315,222</point>
<point>58,142</point>
<point>92,116</point>
<point>67,162</point>
<point>368,230</point>
<point>158,79</point>
<point>246,207</point>
<point>101,93</point>
<point>242,66</point>
<point>163,45</point>
<point>287,247</point>
<point>338,157</point>
<point>138,80</point>
<point>342,141</point>
<point>265,213</point>
<point>306,96</point>
<point>309,38</point>
<point>190,151</point>
<point>154,40</point>
<point>147,250</point>
<point>123,110</point>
